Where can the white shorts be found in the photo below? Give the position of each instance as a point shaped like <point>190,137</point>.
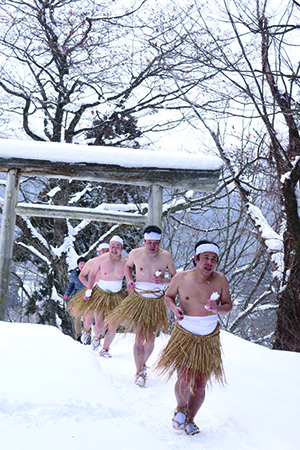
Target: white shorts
<point>199,325</point>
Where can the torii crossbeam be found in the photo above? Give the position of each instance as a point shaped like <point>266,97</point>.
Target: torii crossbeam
<point>154,169</point>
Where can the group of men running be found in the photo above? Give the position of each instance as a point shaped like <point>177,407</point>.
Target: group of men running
<point>196,298</point>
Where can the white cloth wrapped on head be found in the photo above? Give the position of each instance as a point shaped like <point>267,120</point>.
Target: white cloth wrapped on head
<point>207,248</point>
<point>117,239</point>
<point>153,236</point>
<point>102,246</point>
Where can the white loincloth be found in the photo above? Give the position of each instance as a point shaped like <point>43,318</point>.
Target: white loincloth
<point>199,325</point>
<point>110,286</point>
<point>157,290</point>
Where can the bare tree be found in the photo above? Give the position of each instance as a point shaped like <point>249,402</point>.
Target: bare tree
<point>247,51</point>
<point>82,72</point>
<point>91,75</point>
<point>75,70</point>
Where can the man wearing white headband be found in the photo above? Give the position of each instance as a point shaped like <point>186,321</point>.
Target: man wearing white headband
<point>103,248</point>
<point>194,350</point>
<point>103,294</point>
<point>144,311</point>
<point>83,277</point>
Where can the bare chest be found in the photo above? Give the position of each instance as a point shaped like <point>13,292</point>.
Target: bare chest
<point>146,268</point>
<point>197,293</point>
<point>112,270</point>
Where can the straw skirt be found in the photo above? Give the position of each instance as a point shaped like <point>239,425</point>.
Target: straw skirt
<point>141,315</point>
<point>100,300</point>
<point>193,356</point>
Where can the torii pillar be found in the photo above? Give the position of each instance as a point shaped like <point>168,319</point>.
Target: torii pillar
<point>155,205</point>
<point>7,235</point>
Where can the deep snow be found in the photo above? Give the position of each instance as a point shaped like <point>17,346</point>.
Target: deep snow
<point>57,394</point>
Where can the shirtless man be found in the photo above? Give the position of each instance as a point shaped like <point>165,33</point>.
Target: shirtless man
<point>143,310</point>
<point>194,346</point>
<point>103,294</point>
<point>83,276</point>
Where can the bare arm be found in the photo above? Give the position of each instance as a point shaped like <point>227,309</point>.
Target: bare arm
<point>92,274</point>
<point>225,303</point>
<point>83,274</point>
<point>170,297</point>
<point>92,279</point>
<point>171,269</point>
<point>128,272</point>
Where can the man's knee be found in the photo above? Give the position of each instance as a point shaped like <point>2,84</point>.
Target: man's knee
<point>139,340</point>
<point>151,335</point>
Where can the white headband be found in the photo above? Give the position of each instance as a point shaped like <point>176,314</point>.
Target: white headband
<point>152,236</point>
<point>116,239</point>
<point>207,248</point>
<point>101,246</point>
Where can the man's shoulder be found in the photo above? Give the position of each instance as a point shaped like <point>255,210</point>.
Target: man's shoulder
<point>93,263</point>
<point>100,258</point>
<point>163,251</point>
<point>137,251</point>
<point>165,254</point>
<point>183,274</point>
<point>219,276</point>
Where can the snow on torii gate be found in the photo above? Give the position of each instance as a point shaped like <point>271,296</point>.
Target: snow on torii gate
<point>153,169</point>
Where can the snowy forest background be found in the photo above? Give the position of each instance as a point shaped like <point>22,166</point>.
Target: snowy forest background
<point>219,77</point>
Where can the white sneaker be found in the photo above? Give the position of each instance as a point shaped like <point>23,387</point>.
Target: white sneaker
<point>95,344</point>
<point>85,337</point>
<point>105,353</point>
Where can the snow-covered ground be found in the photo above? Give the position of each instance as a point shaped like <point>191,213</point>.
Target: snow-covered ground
<point>57,394</point>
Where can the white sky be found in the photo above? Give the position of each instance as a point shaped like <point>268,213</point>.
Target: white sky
<point>57,394</point>
<point>124,157</point>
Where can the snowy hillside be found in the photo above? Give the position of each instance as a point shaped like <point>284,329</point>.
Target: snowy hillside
<point>57,394</point>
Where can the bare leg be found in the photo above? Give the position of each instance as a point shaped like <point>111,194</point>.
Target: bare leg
<point>182,393</point>
<point>77,326</point>
<point>88,322</point>
<point>196,398</point>
<point>139,352</point>
<point>109,337</point>
<point>185,397</point>
<point>99,328</point>
<point>143,349</point>
<point>87,329</point>
<point>149,346</point>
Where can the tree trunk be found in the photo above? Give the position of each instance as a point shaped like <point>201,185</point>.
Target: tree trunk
<point>287,335</point>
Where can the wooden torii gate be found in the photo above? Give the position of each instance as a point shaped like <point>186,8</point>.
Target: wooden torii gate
<point>153,169</point>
